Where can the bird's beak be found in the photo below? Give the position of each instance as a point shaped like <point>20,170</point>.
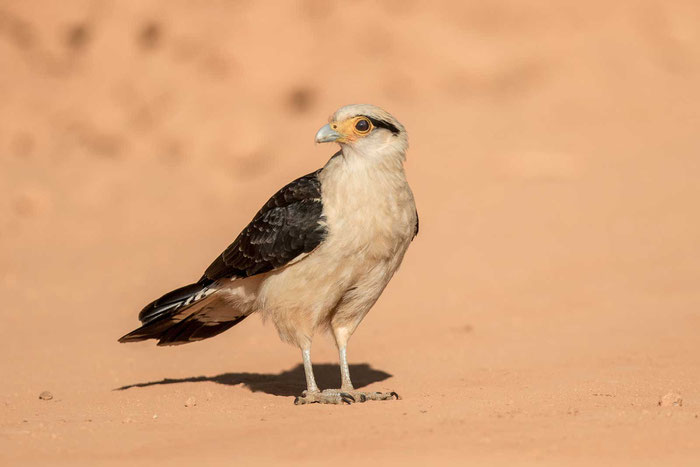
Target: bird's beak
<point>327,135</point>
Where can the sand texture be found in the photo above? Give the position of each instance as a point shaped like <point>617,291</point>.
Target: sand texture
<point>548,313</point>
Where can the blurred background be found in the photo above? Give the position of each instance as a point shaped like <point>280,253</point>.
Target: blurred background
<point>549,301</point>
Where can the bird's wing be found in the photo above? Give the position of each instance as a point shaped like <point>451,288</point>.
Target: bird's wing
<point>290,224</point>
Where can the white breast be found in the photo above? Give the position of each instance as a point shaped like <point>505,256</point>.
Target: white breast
<point>368,206</point>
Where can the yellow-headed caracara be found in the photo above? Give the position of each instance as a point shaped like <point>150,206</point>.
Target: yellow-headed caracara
<point>316,256</point>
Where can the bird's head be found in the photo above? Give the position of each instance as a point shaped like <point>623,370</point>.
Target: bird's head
<point>365,128</point>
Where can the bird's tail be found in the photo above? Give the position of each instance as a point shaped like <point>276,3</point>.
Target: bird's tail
<point>179,317</point>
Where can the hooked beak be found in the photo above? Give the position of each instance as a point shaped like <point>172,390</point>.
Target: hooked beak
<point>327,135</point>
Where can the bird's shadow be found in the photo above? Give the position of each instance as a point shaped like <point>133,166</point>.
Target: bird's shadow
<point>287,383</point>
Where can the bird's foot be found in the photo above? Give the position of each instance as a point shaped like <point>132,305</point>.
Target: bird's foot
<point>318,397</point>
<point>340,396</point>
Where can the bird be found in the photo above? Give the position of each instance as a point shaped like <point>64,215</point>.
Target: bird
<point>316,256</point>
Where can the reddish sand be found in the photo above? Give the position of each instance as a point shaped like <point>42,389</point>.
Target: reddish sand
<point>550,300</point>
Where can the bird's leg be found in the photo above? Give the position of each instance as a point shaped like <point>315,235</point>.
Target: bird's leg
<point>345,395</point>
<point>312,394</point>
<point>309,371</point>
<point>345,382</point>
<point>346,387</point>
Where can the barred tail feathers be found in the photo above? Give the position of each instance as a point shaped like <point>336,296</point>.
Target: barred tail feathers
<point>179,317</point>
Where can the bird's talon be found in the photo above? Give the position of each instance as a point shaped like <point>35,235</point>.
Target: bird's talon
<point>347,398</point>
<point>395,394</point>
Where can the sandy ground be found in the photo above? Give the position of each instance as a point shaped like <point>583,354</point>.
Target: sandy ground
<point>550,300</point>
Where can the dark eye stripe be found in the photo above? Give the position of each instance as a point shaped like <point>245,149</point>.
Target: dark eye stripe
<point>383,124</point>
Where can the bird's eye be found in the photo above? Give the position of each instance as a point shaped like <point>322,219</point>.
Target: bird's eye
<point>362,125</point>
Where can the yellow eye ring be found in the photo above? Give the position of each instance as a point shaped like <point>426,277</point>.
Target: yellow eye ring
<point>363,125</point>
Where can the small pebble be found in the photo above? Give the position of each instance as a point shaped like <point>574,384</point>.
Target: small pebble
<point>155,416</point>
<point>46,396</point>
<point>672,399</point>
<point>190,402</point>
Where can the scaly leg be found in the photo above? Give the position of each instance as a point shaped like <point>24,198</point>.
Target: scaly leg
<point>345,382</point>
<point>309,371</point>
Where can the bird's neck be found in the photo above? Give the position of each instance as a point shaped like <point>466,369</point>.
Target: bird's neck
<point>387,158</point>
<point>364,178</point>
